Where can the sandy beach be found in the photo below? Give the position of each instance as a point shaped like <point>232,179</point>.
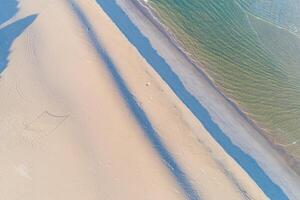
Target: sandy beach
<point>236,126</point>
<point>85,116</point>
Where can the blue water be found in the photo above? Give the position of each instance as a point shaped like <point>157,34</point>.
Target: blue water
<point>143,45</point>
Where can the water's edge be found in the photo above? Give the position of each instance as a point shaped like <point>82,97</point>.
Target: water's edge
<point>150,13</point>
<point>136,37</point>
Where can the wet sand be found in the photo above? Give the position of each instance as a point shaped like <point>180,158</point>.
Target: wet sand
<point>235,125</point>
<point>84,116</point>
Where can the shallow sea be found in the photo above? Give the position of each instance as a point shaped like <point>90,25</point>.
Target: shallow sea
<point>251,51</point>
<point>163,69</point>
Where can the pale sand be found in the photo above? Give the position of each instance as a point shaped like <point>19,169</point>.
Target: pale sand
<point>66,131</point>
<point>234,125</point>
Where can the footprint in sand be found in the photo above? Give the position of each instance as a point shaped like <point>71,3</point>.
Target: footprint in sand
<point>43,125</point>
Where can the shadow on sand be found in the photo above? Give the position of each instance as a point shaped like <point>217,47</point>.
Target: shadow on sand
<point>143,45</point>
<point>8,9</point>
<point>8,33</point>
<point>170,162</point>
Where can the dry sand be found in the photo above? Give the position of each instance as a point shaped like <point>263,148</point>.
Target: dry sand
<point>234,125</point>
<point>70,129</point>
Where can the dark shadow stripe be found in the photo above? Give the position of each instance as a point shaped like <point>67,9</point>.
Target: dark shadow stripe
<point>8,9</point>
<point>8,34</point>
<point>143,45</point>
<point>138,113</point>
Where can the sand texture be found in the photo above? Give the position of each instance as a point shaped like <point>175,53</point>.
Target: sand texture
<point>84,116</point>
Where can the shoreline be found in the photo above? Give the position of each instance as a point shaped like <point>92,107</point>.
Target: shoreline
<point>151,14</point>
<point>276,154</point>
<point>100,113</point>
<point>147,10</point>
<point>86,118</point>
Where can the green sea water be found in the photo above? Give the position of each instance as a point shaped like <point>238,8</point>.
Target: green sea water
<point>251,51</point>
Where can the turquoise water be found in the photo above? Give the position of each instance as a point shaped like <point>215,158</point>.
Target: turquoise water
<point>161,67</point>
<point>250,49</point>
<point>284,13</point>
